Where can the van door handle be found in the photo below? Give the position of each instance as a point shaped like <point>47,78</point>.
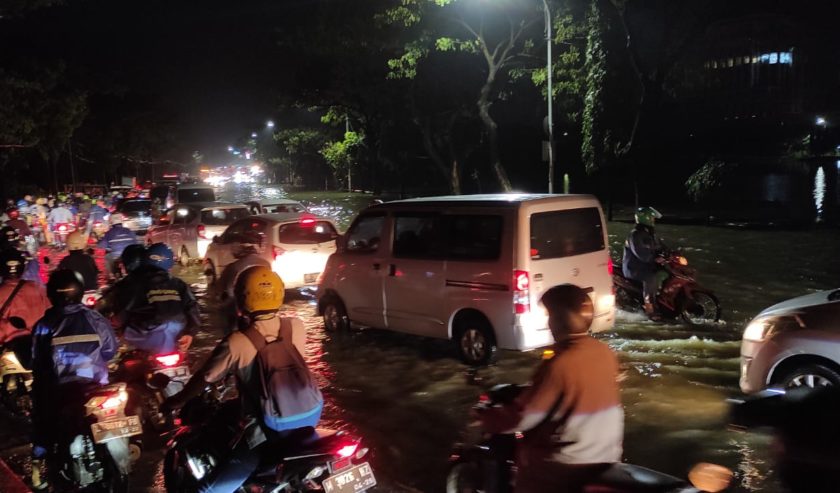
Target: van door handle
<point>376,266</point>
<point>392,270</point>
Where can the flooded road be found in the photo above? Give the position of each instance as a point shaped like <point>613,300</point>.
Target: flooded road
<point>409,397</point>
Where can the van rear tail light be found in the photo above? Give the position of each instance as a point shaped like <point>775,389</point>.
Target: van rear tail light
<point>276,251</point>
<point>610,266</point>
<point>201,230</point>
<point>521,292</point>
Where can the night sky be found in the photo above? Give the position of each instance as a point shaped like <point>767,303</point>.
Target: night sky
<point>215,65</point>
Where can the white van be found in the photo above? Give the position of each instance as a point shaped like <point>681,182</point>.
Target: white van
<point>469,268</point>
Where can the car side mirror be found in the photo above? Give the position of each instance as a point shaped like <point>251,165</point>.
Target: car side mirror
<point>17,323</point>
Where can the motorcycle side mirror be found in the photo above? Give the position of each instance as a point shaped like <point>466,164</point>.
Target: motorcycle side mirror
<point>712,478</point>
<point>17,323</point>
<point>159,381</point>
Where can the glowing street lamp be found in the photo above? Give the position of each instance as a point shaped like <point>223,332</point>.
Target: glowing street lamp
<point>270,124</point>
<point>230,148</point>
<point>253,135</point>
<point>821,121</point>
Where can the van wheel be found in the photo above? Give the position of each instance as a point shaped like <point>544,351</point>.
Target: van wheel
<point>184,257</point>
<point>210,273</point>
<point>335,316</point>
<point>475,341</point>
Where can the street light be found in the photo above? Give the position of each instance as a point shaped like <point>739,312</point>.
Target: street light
<point>548,41</point>
<point>230,148</point>
<point>253,135</point>
<point>270,124</point>
<point>821,121</point>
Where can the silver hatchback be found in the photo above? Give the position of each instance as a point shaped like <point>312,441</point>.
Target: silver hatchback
<point>795,343</point>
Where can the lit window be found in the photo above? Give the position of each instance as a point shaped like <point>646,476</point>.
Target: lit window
<point>746,60</point>
<point>730,62</point>
<point>765,58</point>
<point>714,64</point>
<point>755,59</point>
<point>786,57</point>
<point>774,58</point>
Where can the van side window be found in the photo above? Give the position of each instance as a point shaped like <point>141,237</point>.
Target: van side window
<point>365,235</point>
<point>419,236</point>
<point>474,237</point>
<point>566,233</point>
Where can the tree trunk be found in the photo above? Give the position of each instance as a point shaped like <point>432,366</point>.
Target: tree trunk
<point>492,131</point>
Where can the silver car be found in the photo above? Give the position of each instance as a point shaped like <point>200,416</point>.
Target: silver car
<point>189,228</point>
<point>793,344</point>
<point>136,215</point>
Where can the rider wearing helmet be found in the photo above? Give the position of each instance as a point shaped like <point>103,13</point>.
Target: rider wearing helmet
<point>72,345</point>
<point>117,298</point>
<point>641,256</point>
<point>79,261</point>
<point>162,314</point>
<point>571,414</point>
<point>248,354</point>
<point>115,241</point>
<point>246,256</point>
<point>18,297</point>
<point>17,223</point>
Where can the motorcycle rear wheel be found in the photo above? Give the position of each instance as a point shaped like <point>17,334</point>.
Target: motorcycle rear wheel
<point>176,475</point>
<point>701,308</point>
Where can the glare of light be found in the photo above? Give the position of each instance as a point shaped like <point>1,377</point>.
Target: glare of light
<point>819,191</point>
<point>269,124</point>
<point>230,148</point>
<point>247,155</point>
<point>255,169</point>
<point>236,153</point>
<point>253,135</point>
<point>821,121</point>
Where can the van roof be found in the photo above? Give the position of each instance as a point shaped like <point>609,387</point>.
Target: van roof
<point>490,200</point>
<point>210,205</point>
<point>193,186</point>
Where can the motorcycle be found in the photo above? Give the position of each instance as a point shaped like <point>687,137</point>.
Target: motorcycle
<point>680,297</point>
<point>307,460</point>
<point>487,465</point>
<point>93,450</point>
<point>139,370</point>
<point>803,422</point>
<point>15,379</point>
<point>60,233</point>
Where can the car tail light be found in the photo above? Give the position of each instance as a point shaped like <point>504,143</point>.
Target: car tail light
<point>521,292</point>
<point>201,230</point>
<point>168,359</point>
<point>307,220</point>
<point>347,450</point>
<point>610,266</point>
<point>276,251</point>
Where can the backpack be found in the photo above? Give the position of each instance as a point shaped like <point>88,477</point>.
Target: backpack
<point>288,394</point>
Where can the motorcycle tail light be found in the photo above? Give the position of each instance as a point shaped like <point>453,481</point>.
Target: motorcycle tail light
<point>113,401</point>
<point>202,232</point>
<point>347,450</point>
<point>62,228</point>
<point>90,301</point>
<point>682,260</point>
<point>168,359</point>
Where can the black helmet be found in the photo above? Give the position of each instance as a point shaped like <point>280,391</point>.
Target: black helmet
<point>568,298</point>
<point>65,287</point>
<point>9,236</point>
<point>12,264</point>
<point>133,257</point>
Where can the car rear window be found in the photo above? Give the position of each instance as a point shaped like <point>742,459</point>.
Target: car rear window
<point>135,206</point>
<point>304,234</point>
<point>221,216</point>
<point>196,195</point>
<point>566,233</point>
<point>283,208</point>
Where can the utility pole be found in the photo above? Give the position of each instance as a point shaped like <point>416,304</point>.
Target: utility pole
<point>548,42</point>
<point>349,164</point>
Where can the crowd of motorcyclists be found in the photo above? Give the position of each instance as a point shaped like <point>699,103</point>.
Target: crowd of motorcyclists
<point>570,416</point>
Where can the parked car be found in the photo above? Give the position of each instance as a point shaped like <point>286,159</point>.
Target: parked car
<point>468,268</point>
<point>275,206</point>
<point>795,343</point>
<point>136,214</point>
<point>297,245</point>
<point>189,228</point>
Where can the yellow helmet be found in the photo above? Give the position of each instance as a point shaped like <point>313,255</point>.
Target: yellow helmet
<point>76,241</point>
<point>259,289</point>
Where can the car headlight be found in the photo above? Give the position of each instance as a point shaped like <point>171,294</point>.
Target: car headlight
<point>757,329</point>
<point>762,328</point>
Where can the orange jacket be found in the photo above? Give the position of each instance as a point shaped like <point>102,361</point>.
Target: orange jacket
<point>29,303</point>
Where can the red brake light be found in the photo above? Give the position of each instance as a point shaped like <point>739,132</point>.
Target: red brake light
<point>110,403</point>
<point>347,450</point>
<point>307,220</point>
<point>63,227</point>
<point>201,231</point>
<point>521,292</point>
<point>610,266</point>
<point>168,359</point>
<point>277,251</point>
<point>90,301</point>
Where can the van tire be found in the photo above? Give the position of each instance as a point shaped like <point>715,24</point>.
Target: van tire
<point>475,341</point>
<point>335,315</point>
<point>184,257</point>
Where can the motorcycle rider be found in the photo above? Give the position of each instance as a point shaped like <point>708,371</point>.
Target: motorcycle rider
<point>60,215</point>
<point>16,222</point>
<point>571,416</point>
<point>115,241</point>
<point>79,261</point>
<point>641,260</point>
<point>259,295</point>
<point>11,240</point>
<point>96,214</point>
<point>19,298</point>
<point>71,346</point>
<point>246,256</point>
<point>161,314</point>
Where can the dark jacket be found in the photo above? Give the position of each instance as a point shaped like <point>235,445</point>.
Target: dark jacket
<point>71,344</point>
<point>117,238</point>
<point>84,264</point>
<point>159,311</point>
<point>640,251</point>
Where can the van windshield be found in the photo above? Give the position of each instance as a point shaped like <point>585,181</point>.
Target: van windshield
<point>186,195</point>
<point>566,233</point>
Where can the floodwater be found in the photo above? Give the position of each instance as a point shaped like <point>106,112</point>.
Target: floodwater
<point>409,397</point>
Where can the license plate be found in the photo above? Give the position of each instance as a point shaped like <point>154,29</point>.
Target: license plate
<point>353,480</point>
<point>112,429</point>
<point>310,278</point>
<point>176,373</point>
